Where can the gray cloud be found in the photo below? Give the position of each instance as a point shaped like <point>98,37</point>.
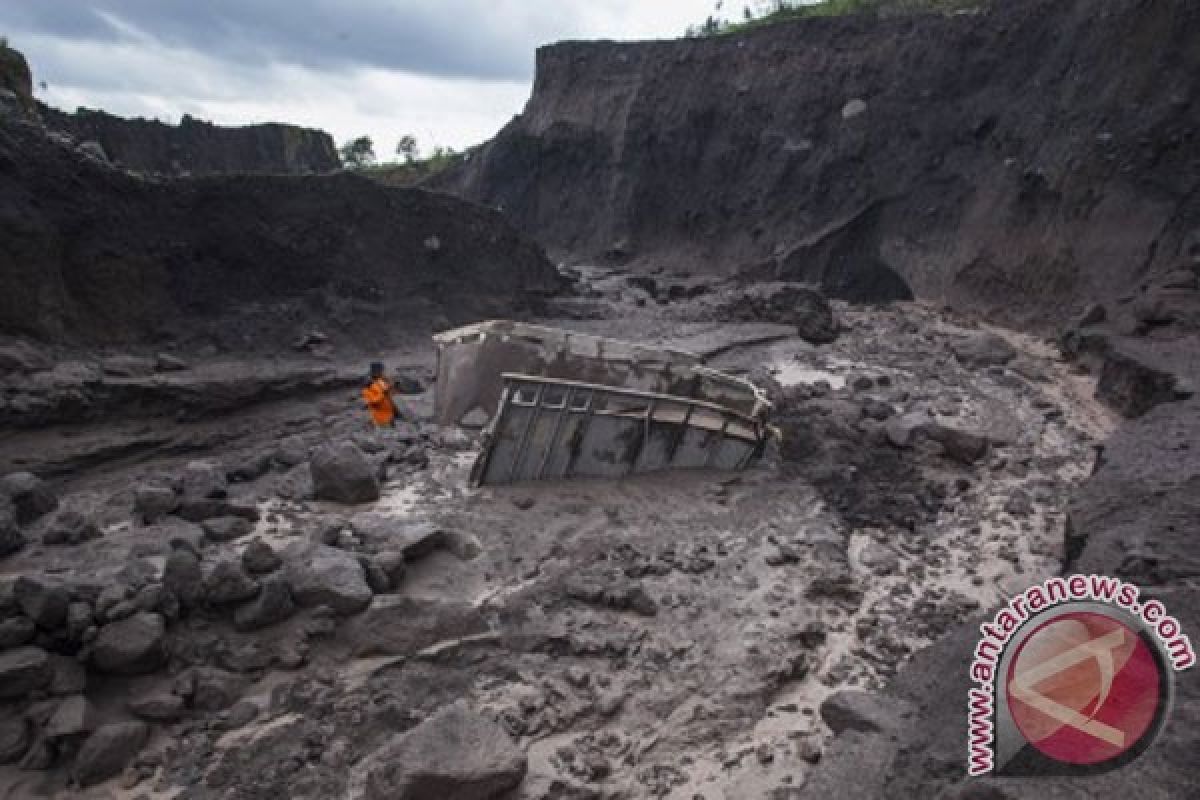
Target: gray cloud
<point>481,39</point>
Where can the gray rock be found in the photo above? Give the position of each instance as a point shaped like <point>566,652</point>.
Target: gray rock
<point>30,496</point>
<point>227,582</point>
<point>184,577</point>
<point>394,566</point>
<point>854,108</point>
<point>901,431</point>
<point>43,599</point>
<point>211,689</point>
<point>292,451</point>
<point>324,575</point>
<point>856,710</point>
<point>456,754</point>
<point>16,631</point>
<point>880,559</point>
<point>152,503</point>
<point>22,670</point>
<point>341,473</point>
<point>15,737</point>
<point>157,706</point>
<point>959,444</point>
<point>79,619</point>
<point>131,646</point>
<point>983,349</point>
<point>1019,504</point>
<point>69,676</point>
<point>226,529</point>
<point>70,527</point>
<point>204,480</point>
<point>260,558</point>
<point>74,716</point>
<point>272,606</point>
<point>107,751</point>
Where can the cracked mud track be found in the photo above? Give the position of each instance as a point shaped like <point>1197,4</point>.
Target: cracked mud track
<point>671,635</point>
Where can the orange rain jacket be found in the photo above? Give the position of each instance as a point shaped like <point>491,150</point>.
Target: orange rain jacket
<point>378,396</point>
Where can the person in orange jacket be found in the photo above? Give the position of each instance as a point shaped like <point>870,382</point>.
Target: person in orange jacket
<point>378,396</point>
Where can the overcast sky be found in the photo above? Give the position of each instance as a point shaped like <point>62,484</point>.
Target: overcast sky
<point>451,72</point>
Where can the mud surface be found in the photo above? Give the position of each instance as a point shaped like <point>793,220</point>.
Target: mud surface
<point>665,636</point>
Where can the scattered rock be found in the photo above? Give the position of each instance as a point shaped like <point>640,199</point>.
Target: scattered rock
<point>260,558</point>
<point>22,670</point>
<point>854,108</point>
<point>983,349</point>
<point>204,480</point>
<point>856,710</point>
<point>272,605</point>
<point>154,502</point>
<point>30,496</point>
<point>226,582</point>
<point>184,577</point>
<point>226,529</point>
<point>959,444</point>
<point>341,473</point>
<point>165,362</point>
<point>901,431</point>
<point>11,538</point>
<point>73,717</point>
<point>70,528</point>
<point>16,631</point>
<point>43,599</point>
<point>456,754</point>
<point>131,646</point>
<point>15,737</point>
<point>324,575</point>
<point>107,751</point>
<point>157,706</point>
<point>211,689</point>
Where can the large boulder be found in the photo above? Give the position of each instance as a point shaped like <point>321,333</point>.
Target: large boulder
<point>30,496</point>
<point>23,670</point>
<point>324,575</point>
<point>14,738</point>
<point>341,473</point>
<point>272,605</point>
<point>154,502</point>
<point>131,646</point>
<point>44,599</point>
<point>983,349</point>
<point>226,581</point>
<point>107,751</point>
<point>456,754</point>
<point>183,577</point>
<point>69,527</point>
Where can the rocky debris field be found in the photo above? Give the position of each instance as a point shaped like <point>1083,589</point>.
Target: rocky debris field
<point>307,607</point>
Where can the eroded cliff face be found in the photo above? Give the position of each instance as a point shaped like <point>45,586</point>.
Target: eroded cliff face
<point>92,255</point>
<point>1018,162</point>
<point>197,147</point>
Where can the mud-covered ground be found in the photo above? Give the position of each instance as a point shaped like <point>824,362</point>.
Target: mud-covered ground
<point>671,635</point>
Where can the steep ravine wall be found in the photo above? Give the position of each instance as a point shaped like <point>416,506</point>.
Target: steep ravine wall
<point>1018,162</point>
<point>197,147</point>
<point>92,255</point>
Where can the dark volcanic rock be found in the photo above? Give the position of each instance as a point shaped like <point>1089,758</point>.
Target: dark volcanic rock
<point>226,529</point>
<point>196,147</point>
<point>324,575</point>
<point>23,670</point>
<point>184,577</point>
<point>456,754</point>
<point>69,528</point>
<point>341,473</point>
<point>43,599</point>
<point>260,558</point>
<point>131,646</point>
<point>153,502</point>
<point>272,605</point>
<point>106,752</point>
<point>226,581</point>
<point>30,496</point>
<point>983,350</point>
<point>92,254</point>
<point>11,538</point>
<point>14,738</point>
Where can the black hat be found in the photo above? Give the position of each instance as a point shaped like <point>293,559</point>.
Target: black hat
<point>376,368</point>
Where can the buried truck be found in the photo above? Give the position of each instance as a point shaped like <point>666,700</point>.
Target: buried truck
<point>558,404</point>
